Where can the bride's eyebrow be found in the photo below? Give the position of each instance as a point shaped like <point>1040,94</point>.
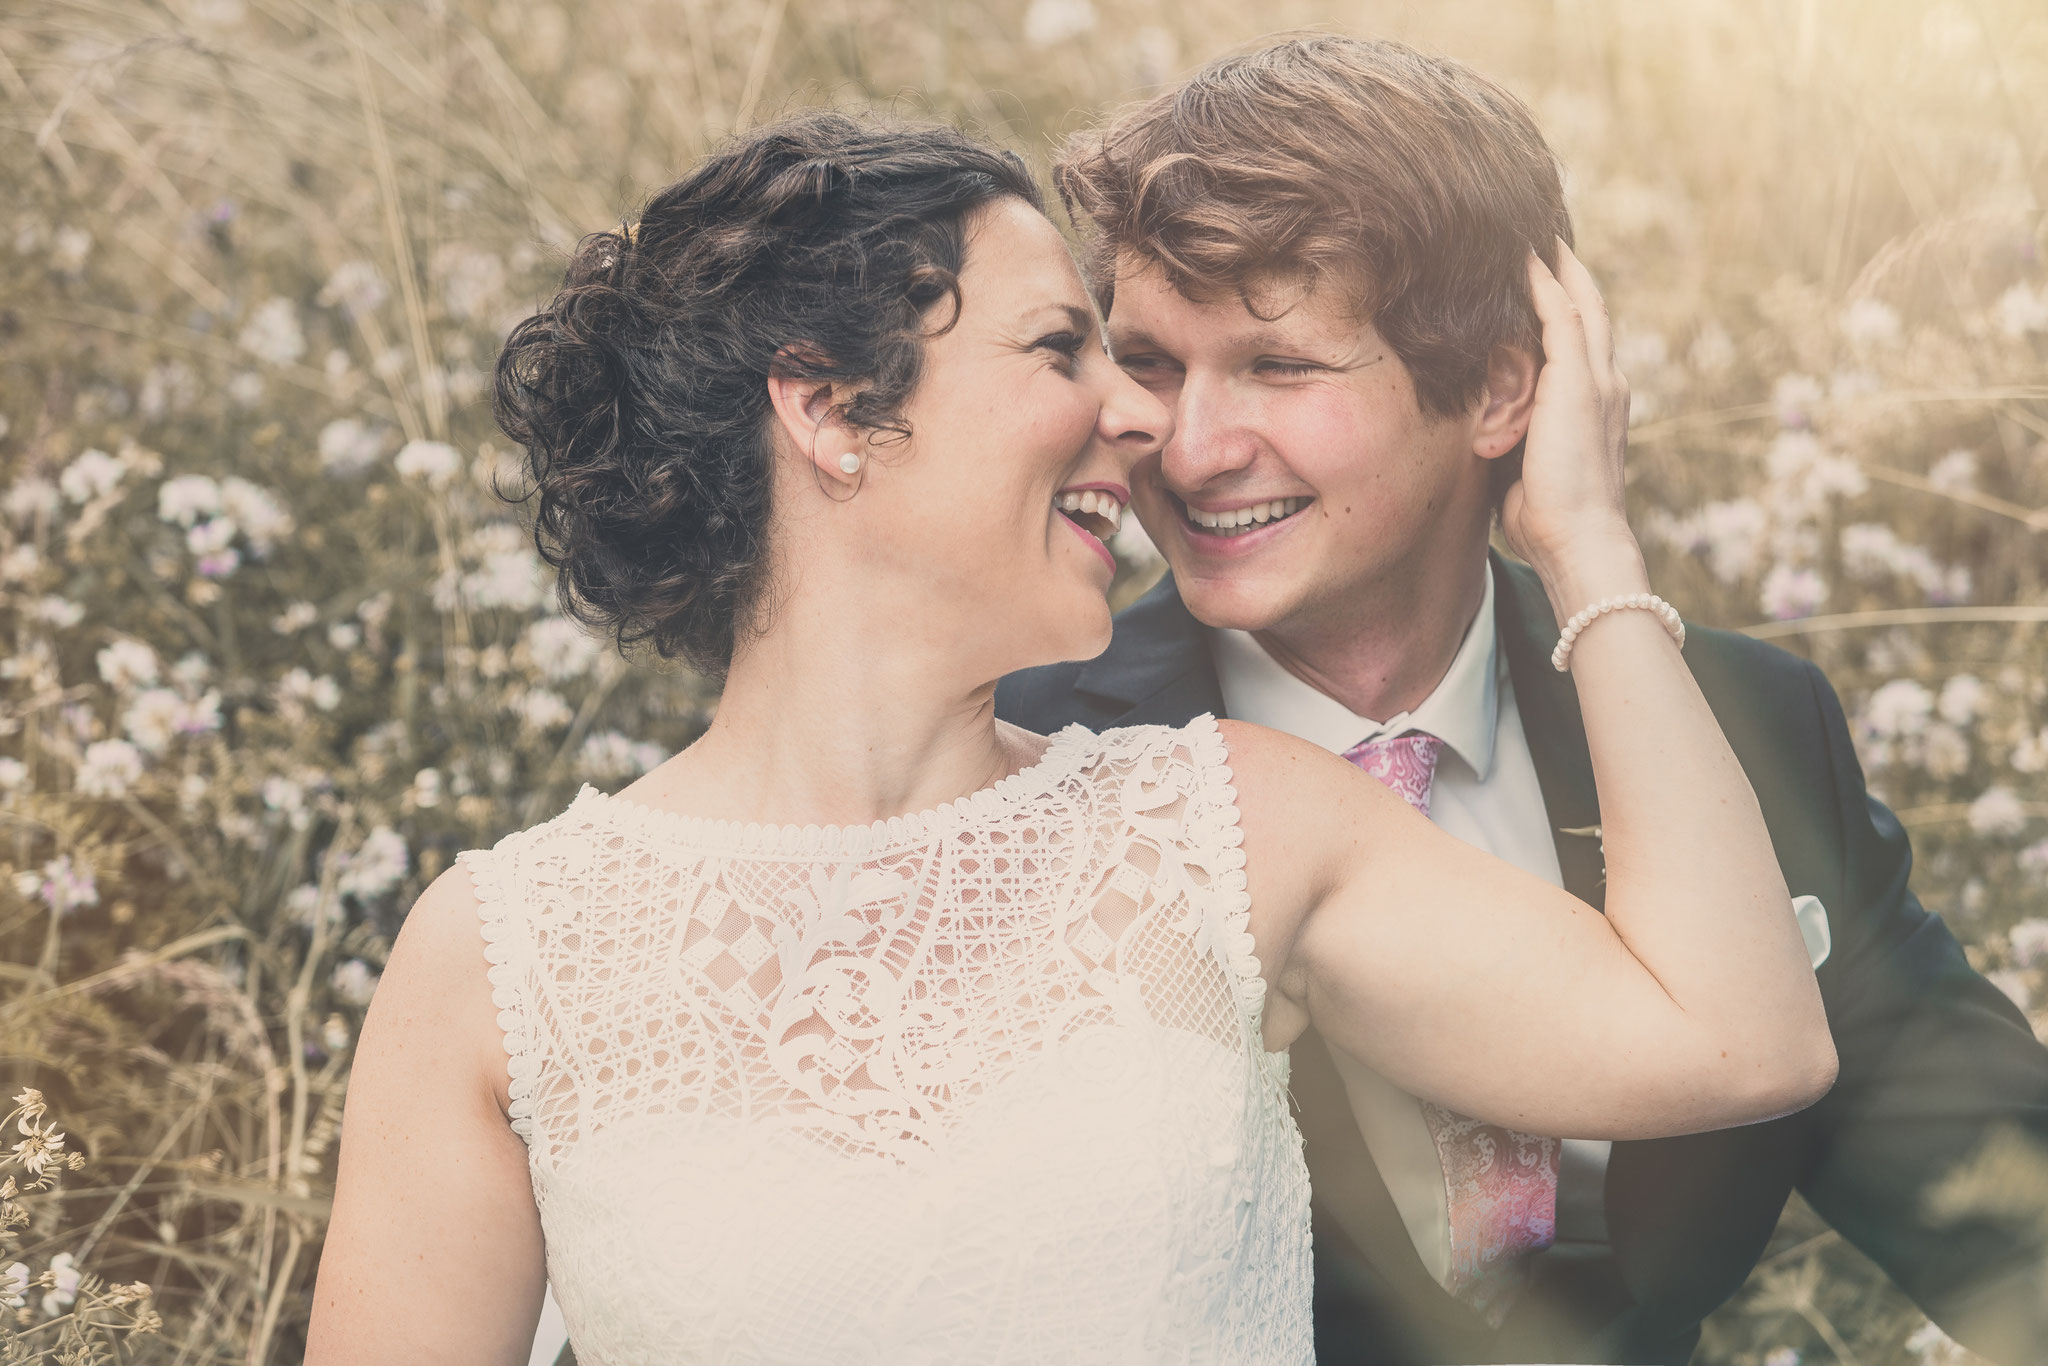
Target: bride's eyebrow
<point>1080,319</point>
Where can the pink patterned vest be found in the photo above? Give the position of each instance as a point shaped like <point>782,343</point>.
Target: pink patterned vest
<point>1502,1185</point>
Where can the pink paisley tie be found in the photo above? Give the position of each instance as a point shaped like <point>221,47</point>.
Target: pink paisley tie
<point>1502,1185</point>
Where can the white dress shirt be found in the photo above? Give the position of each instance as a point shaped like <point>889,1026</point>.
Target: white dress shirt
<point>1486,793</point>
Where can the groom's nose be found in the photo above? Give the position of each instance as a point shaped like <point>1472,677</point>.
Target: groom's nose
<point>1210,437</point>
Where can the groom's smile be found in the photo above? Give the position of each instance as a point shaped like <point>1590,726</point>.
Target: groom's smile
<point>1302,467</point>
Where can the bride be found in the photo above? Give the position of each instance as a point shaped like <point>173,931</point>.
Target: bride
<point>870,1029</point>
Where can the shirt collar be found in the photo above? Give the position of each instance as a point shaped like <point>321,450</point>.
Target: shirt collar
<point>1462,710</point>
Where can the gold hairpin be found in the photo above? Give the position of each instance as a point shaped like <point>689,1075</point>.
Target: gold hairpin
<point>631,231</point>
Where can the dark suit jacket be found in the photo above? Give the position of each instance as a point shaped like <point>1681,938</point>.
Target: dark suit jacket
<point>1932,1055</point>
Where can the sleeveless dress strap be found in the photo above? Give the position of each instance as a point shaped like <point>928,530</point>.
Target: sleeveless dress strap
<point>510,952</point>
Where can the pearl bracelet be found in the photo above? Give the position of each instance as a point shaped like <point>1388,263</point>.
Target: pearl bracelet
<point>1560,658</point>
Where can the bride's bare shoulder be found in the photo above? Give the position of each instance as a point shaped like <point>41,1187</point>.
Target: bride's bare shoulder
<point>435,991</point>
<point>1299,805</point>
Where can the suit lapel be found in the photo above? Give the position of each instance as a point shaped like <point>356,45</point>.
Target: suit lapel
<point>1556,731</point>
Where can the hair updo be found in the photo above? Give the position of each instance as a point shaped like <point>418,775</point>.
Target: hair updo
<point>816,247</point>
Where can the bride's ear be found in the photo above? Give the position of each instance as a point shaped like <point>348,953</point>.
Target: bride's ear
<point>807,409</point>
<point>1505,406</point>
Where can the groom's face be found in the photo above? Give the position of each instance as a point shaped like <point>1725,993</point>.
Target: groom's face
<point>1302,471</point>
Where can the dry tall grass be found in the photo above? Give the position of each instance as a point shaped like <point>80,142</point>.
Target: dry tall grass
<point>276,654</point>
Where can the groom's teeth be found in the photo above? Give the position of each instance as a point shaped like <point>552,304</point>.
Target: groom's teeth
<point>1257,514</point>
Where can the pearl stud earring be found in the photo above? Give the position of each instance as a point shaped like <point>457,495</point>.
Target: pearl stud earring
<point>850,463</point>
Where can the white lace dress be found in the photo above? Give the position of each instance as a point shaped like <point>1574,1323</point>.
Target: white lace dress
<point>983,1084</point>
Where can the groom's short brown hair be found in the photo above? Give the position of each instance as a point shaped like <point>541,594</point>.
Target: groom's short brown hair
<point>1410,181</point>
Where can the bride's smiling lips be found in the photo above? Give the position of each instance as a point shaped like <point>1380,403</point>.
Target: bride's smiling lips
<point>1094,511</point>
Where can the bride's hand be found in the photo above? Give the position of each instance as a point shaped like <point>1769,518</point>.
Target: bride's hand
<point>1565,515</point>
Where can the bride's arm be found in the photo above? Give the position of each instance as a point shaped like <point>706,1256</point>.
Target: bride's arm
<point>1690,1004</point>
<point>433,1254</point>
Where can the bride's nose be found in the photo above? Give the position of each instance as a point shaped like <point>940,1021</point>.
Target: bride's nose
<point>1133,421</point>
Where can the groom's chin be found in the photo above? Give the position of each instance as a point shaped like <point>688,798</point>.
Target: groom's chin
<point>1240,598</point>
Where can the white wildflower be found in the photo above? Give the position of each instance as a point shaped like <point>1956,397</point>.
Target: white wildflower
<point>2033,860</point>
<point>210,537</point>
<point>1962,698</point>
<point>542,710</point>
<point>379,864</point>
<point>154,718</point>
<point>93,474</point>
<point>2022,310</point>
<point>507,578</point>
<point>1955,472</point>
<point>61,1296</point>
<point>1730,534</point>
<point>1792,454</point>
<point>334,1034</point>
<point>1782,1356</point>
<point>349,446</point>
<point>167,388</point>
<point>13,773</point>
<point>1048,23</point>
<point>560,649</point>
<point>1789,593</point>
<point>2030,755</point>
<point>14,1285</point>
<point>295,617</point>
<point>59,611</point>
<point>272,333</point>
<point>298,687</point>
<point>302,904</point>
<point>262,519</point>
<point>1899,709</point>
<point>1944,751</point>
<point>426,788</point>
<point>187,498</point>
<point>288,799</point>
<point>344,635</point>
<point>109,768</point>
<point>68,249</point>
<point>1998,814</point>
<point>354,982</point>
<point>191,671</point>
<point>19,564</point>
<point>1870,322</point>
<point>608,754</point>
<point>246,388</point>
<point>1795,397</point>
<point>470,280</point>
<point>31,497</point>
<point>356,286</point>
<point>1834,476</point>
<point>2028,940</point>
<point>127,663</point>
<point>432,462</point>
<point>68,884</point>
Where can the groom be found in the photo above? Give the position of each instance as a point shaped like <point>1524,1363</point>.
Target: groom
<point>1324,508</point>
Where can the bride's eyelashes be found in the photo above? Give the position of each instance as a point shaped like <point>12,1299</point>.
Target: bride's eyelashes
<point>1064,345</point>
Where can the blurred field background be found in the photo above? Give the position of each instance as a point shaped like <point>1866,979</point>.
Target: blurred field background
<point>275,652</point>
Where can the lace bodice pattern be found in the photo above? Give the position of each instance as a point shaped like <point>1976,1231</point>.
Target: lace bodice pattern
<point>981,1084</point>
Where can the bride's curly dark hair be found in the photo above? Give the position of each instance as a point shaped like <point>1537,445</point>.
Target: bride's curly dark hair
<point>819,246</point>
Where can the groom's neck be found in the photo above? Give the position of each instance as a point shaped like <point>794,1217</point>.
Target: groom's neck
<point>1382,647</point>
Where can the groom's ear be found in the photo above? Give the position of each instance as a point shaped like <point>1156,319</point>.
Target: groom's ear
<point>1505,406</point>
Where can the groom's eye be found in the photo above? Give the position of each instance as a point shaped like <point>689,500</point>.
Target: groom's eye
<point>1275,365</point>
<point>1145,363</point>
